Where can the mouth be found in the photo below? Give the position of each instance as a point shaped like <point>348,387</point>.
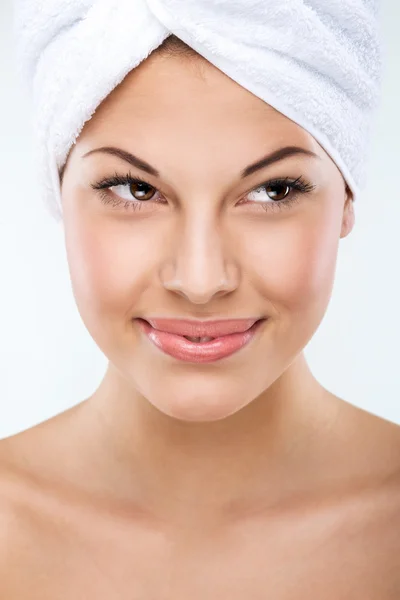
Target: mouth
<point>201,348</point>
<point>198,340</point>
<point>202,329</point>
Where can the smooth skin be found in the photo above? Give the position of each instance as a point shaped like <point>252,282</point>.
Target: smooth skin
<point>243,478</point>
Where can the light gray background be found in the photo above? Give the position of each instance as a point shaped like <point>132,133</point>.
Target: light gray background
<point>49,362</point>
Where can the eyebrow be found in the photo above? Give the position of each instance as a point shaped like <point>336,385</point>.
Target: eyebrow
<point>128,157</point>
<point>277,155</point>
<point>141,164</point>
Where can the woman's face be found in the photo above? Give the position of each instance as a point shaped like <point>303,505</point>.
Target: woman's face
<point>200,240</point>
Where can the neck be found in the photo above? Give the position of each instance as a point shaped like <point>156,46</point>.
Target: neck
<point>258,456</point>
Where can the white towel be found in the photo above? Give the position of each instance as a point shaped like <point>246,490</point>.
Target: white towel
<point>319,62</point>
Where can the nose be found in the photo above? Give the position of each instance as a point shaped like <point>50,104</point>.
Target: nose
<point>201,267</point>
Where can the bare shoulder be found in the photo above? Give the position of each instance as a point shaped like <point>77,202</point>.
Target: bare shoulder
<point>370,445</point>
<point>14,519</point>
<point>26,458</point>
<point>16,478</point>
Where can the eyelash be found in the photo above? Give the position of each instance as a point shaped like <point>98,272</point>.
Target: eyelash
<point>299,185</point>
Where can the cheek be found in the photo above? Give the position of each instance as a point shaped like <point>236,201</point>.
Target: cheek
<point>298,263</point>
<point>109,266</point>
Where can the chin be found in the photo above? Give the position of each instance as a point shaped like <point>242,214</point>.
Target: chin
<point>198,410</point>
<point>200,403</point>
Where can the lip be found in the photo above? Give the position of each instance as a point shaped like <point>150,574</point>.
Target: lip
<point>193,328</point>
<point>242,331</point>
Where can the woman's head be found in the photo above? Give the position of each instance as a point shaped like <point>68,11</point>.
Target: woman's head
<point>203,239</point>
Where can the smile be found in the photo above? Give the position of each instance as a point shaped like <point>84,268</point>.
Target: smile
<point>201,348</point>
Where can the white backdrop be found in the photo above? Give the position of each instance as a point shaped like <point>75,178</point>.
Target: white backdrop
<point>49,362</point>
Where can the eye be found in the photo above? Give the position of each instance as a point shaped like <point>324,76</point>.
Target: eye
<point>278,194</point>
<point>137,190</point>
<point>133,193</point>
<point>275,192</point>
<point>126,190</point>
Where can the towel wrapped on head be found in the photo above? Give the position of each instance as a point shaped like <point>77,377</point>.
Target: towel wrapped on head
<point>318,62</point>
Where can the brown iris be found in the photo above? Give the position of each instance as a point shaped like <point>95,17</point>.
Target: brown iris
<point>141,190</point>
<point>286,188</point>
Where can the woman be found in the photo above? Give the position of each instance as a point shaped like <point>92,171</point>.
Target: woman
<point>202,469</point>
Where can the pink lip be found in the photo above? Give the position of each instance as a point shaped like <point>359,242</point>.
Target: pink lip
<point>202,328</point>
<point>179,347</point>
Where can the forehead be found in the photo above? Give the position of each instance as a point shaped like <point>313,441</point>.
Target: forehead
<point>189,97</point>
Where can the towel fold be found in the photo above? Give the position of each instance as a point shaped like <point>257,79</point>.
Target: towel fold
<point>319,62</point>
